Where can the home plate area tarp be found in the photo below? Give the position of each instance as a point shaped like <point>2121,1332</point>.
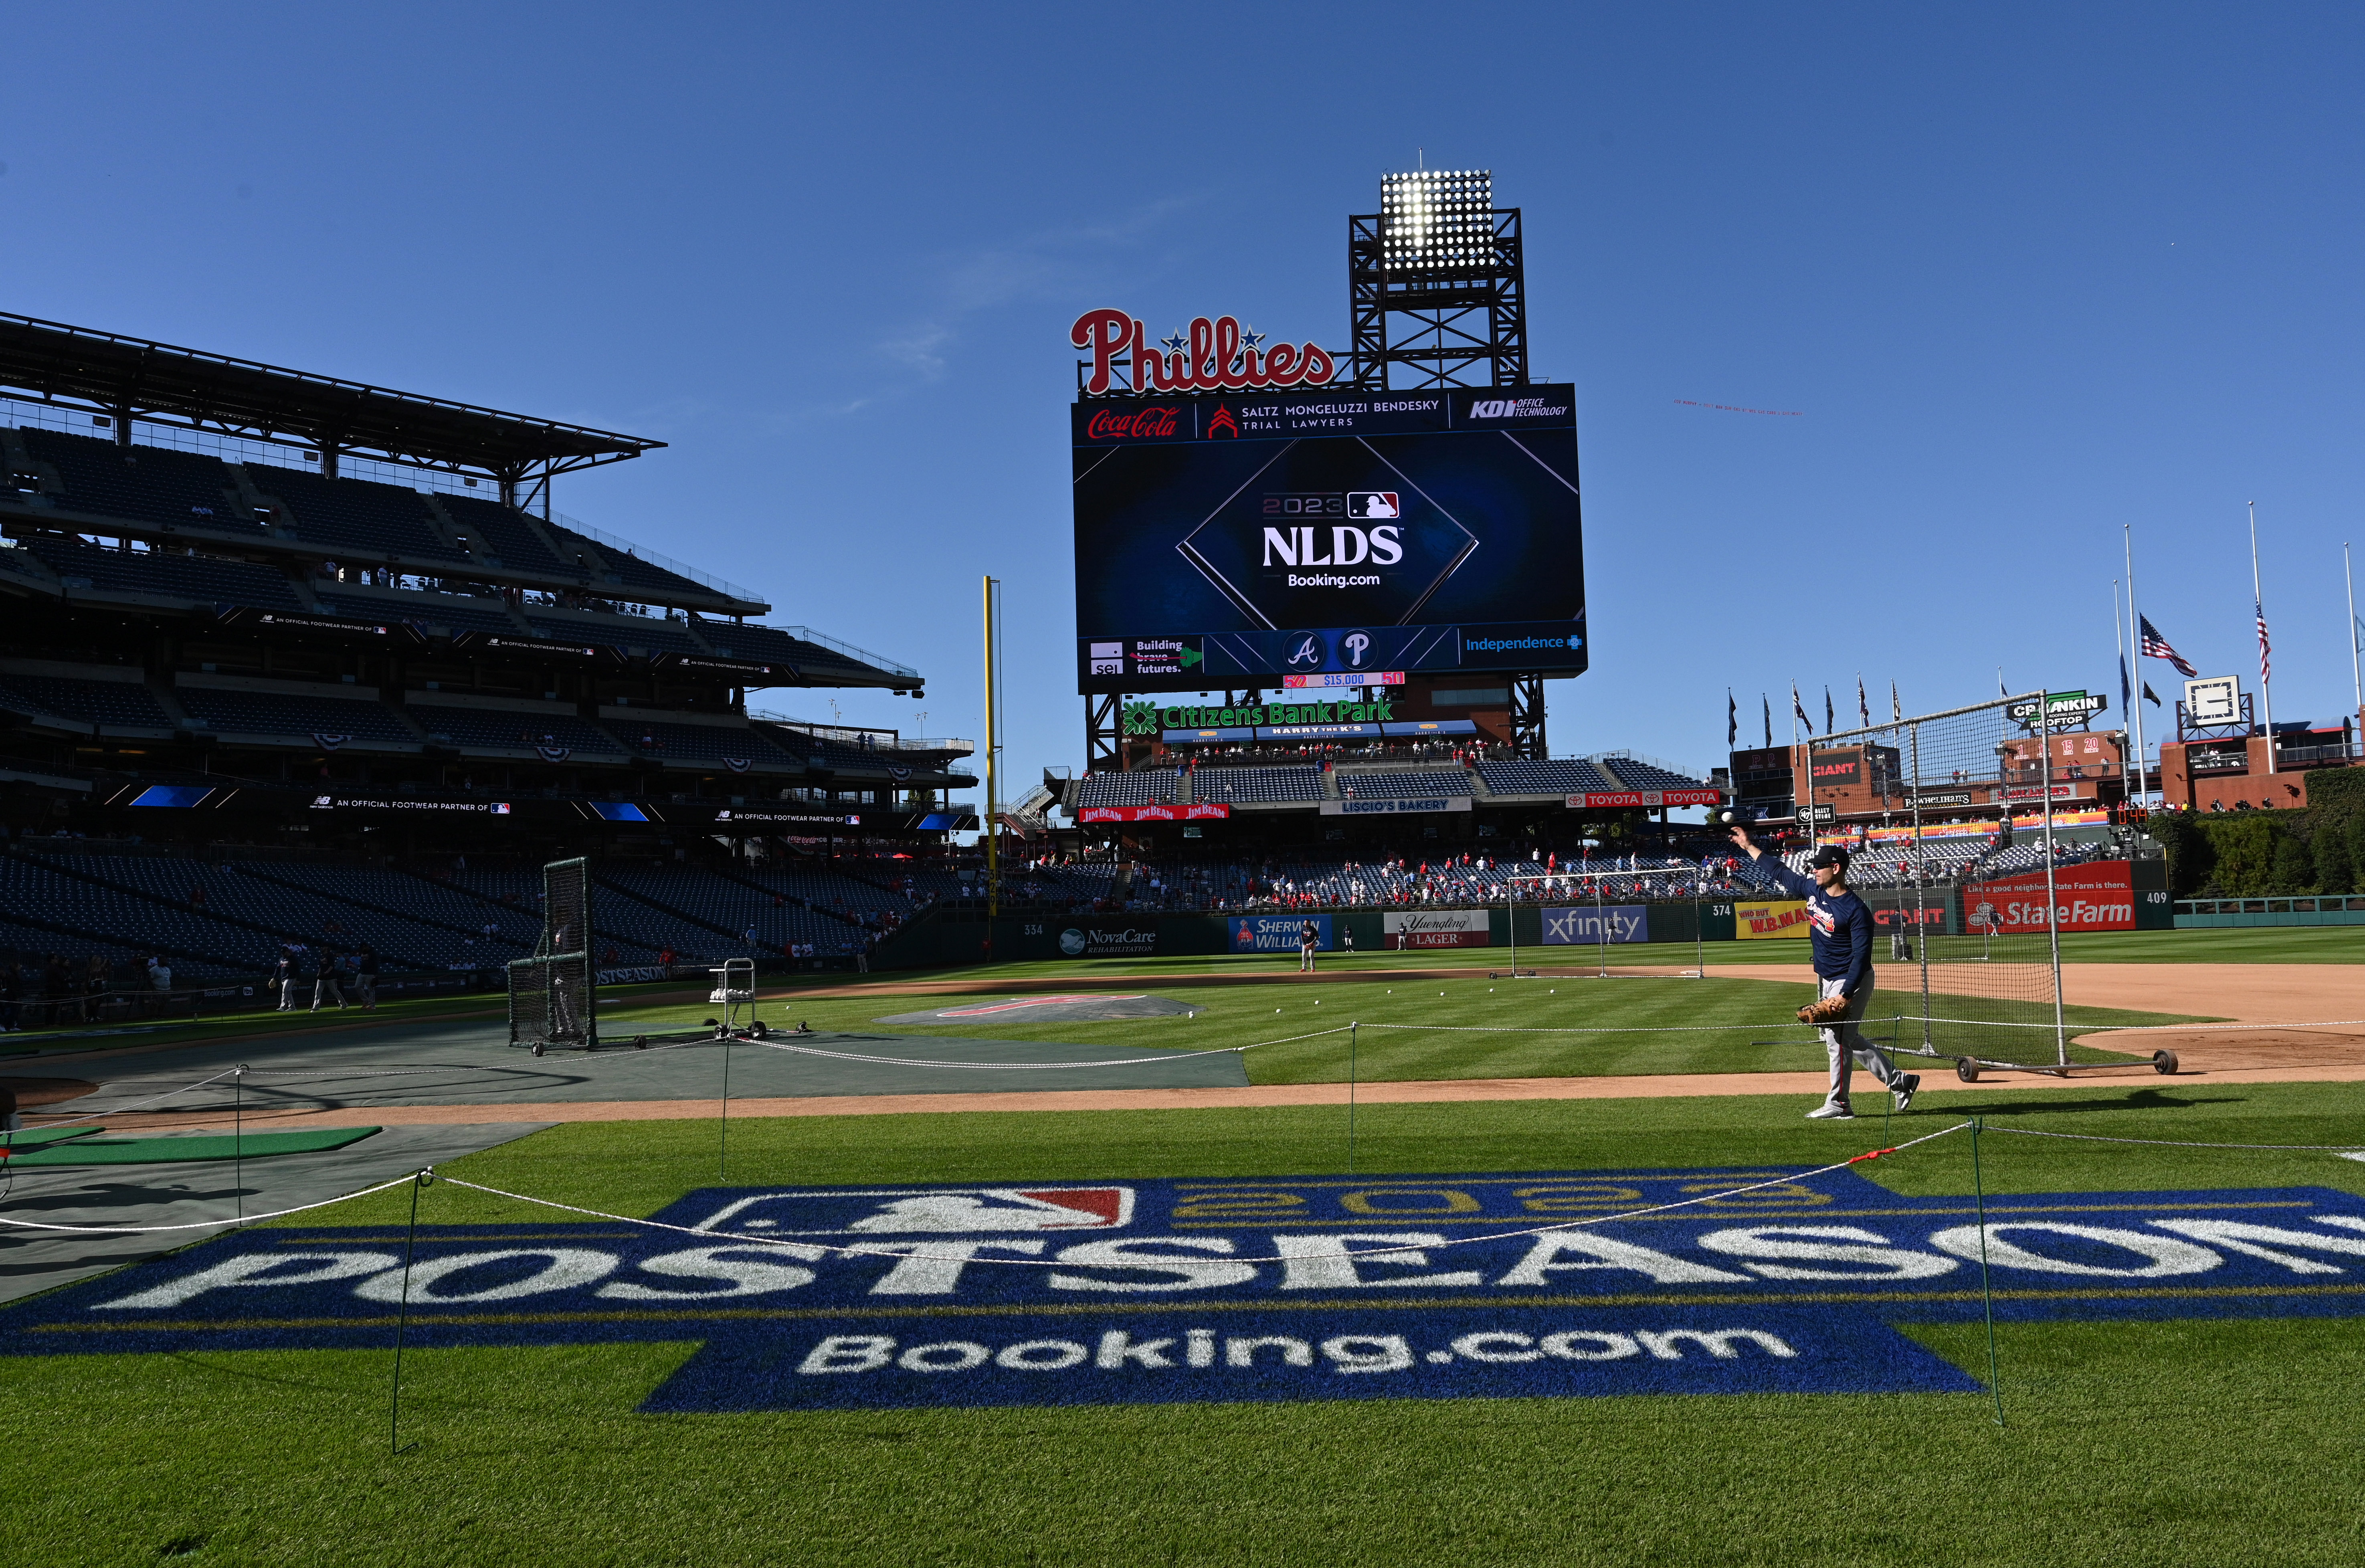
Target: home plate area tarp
<point>1291,1288</point>
<point>1050,1010</point>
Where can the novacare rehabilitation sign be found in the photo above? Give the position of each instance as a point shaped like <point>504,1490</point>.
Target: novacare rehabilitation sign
<point>1294,1288</point>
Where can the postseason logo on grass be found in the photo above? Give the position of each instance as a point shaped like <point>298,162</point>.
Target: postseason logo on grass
<point>1291,1288</point>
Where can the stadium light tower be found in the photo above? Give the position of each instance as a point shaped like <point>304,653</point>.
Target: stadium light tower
<point>1443,257</point>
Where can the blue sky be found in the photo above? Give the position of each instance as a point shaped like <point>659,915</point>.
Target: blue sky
<point>2027,274</point>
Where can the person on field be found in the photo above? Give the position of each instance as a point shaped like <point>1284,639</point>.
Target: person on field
<point>1308,936</point>
<point>324,978</point>
<point>1840,928</point>
<point>366,977</point>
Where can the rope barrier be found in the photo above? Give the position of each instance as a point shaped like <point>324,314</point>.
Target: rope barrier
<point>876,1251</point>
<point>203,1224</point>
<point>2179,1143</point>
<point>2127,1028</point>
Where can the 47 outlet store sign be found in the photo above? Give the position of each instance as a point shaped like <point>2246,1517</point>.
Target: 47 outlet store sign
<point>1290,1289</point>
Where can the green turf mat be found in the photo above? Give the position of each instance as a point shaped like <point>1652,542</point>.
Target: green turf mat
<point>206,1145</point>
<point>37,1137</point>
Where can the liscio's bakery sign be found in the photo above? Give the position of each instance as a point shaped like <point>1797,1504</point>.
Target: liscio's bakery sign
<point>1211,356</point>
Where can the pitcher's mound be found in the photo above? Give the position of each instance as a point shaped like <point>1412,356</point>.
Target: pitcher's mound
<point>1050,1010</point>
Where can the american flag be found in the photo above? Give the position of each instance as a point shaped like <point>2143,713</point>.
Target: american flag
<point>2266,669</point>
<point>2152,645</point>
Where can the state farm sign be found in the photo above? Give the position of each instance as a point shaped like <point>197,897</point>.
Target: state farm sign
<point>2099,896</point>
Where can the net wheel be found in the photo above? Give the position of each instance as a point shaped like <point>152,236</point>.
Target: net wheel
<point>758,1030</point>
<point>2163,1062</point>
<point>1968,1072</point>
<point>640,1042</point>
<point>538,1047</point>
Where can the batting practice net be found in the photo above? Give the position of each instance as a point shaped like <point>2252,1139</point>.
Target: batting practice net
<point>1969,901</point>
<point>550,993</point>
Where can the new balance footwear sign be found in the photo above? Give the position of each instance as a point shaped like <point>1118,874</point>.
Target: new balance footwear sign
<point>1294,1288</point>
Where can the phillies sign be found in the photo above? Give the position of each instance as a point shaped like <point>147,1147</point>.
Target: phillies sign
<point>1215,357</point>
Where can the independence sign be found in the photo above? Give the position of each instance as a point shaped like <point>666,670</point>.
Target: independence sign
<point>1294,1288</point>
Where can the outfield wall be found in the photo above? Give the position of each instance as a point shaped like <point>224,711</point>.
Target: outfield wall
<point>2114,895</point>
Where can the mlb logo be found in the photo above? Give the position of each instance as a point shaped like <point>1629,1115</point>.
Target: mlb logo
<point>1377,505</point>
<point>500,807</point>
<point>923,1211</point>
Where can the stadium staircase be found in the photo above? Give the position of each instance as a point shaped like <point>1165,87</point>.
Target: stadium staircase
<point>799,899</point>
<point>141,897</point>
<point>410,916</point>
<point>663,907</point>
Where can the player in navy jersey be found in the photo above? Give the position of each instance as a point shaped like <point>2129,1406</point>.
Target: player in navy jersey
<point>1840,927</point>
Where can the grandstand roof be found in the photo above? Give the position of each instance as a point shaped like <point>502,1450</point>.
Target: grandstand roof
<point>107,372</point>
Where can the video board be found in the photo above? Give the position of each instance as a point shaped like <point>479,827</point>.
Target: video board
<point>1238,541</point>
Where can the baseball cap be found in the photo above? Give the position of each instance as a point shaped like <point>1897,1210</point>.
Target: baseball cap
<point>1830,855</point>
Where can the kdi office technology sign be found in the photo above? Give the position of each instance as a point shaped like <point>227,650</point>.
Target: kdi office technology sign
<point>1249,1289</point>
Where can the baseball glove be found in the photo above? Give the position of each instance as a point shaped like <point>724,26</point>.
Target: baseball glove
<point>1829,1010</point>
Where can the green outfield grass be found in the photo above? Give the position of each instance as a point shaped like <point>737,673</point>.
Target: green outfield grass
<point>1697,1025</point>
<point>2197,1442</point>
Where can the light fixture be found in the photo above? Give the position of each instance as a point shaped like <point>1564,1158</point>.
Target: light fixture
<point>1437,220</point>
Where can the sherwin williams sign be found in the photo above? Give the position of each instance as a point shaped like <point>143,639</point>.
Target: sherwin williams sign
<point>1250,1289</point>
<point>1769,917</point>
<point>1276,933</point>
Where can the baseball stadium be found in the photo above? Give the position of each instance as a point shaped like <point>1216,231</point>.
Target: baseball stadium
<point>487,1083</point>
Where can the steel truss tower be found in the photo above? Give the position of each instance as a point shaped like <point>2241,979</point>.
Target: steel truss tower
<point>1463,323</point>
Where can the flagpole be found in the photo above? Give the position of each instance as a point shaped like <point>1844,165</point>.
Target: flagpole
<point>2142,784</point>
<point>2266,695</point>
<point>2127,698</point>
<point>2356,680</point>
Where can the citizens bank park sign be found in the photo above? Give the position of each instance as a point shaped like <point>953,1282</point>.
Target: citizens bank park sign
<point>1498,1284</point>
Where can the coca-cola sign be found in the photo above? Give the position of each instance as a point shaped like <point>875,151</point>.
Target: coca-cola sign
<point>1212,356</point>
<point>1142,424</point>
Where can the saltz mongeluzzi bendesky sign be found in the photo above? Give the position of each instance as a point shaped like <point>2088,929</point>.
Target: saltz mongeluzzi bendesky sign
<point>1294,1288</point>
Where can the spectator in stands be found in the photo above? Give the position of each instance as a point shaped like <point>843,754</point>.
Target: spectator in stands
<point>324,978</point>
<point>366,977</point>
<point>197,897</point>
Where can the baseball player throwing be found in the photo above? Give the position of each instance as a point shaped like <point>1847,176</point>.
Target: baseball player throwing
<point>1841,929</point>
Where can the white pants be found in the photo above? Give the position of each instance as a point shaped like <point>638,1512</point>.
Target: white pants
<point>1306,958</point>
<point>1847,1045</point>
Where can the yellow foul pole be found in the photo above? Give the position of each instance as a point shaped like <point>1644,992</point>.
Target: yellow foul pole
<point>993,769</point>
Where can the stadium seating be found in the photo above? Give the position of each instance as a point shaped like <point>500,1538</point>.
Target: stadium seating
<point>490,729</point>
<point>779,919</point>
<point>1403,786</point>
<point>1561,776</point>
<point>698,745</point>
<point>205,580</point>
<point>1150,789</point>
<point>235,712</point>
<point>143,484</point>
<point>1238,786</point>
<point>450,611</point>
<point>630,570</point>
<point>492,528</point>
<point>618,631</point>
<point>1637,774</point>
<point>124,703</point>
<point>34,887</point>
<point>359,517</point>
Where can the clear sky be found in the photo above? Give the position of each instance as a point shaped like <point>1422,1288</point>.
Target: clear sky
<point>2025,273</point>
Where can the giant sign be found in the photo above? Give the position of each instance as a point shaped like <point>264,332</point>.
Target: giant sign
<point>1240,540</point>
<point>1486,1286</point>
<point>1586,925</point>
<point>1276,933</point>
